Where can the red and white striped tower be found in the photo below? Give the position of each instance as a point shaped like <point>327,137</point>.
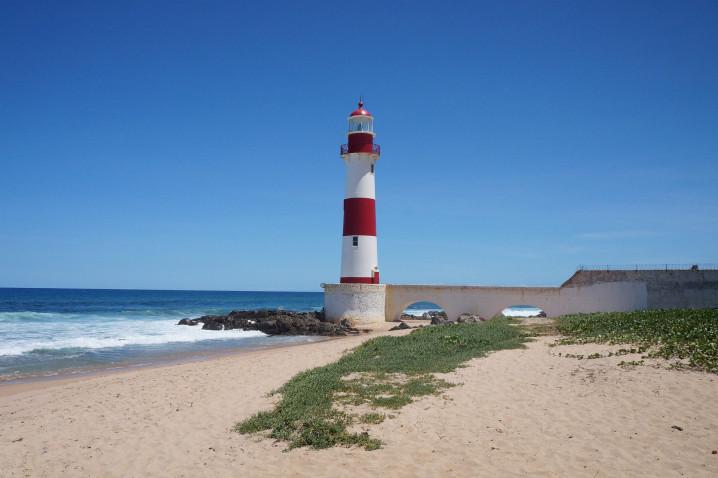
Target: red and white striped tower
<point>359,252</point>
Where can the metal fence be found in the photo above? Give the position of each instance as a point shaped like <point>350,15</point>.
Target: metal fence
<point>647,267</point>
<point>344,149</point>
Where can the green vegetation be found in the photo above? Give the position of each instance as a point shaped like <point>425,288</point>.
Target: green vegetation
<point>690,335</point>
<point>548,328</point>
<point>386,390</point>
<point>373,418</point>
<point>386,372</point>
<point>630,363</point>
<point>598,355</point>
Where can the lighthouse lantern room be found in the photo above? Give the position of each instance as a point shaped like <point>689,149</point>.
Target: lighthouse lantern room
<point>359,247</point>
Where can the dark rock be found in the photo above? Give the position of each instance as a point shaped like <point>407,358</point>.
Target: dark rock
<point>432,314</point>
<point>425,316</point>
<point>469,319</point>
<point>542,314</point>
<point>274,322</point>
<point>211,322</point>
<point>437,317</point>
<point>401,326</point>
<point>438,320</point>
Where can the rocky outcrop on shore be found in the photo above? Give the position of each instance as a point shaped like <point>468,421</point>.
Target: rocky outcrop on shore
<point>433,315</point>
<point>283,322</point>
<point>470,319</point>
<point>402,326</point>
<point>439,317</point>
<point>274,322</point>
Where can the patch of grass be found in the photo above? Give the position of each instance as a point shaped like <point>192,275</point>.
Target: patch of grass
<point>577,357</point>
<point>630,363</point>
<point>388,390</point>
<point>597,355</point>
<point>539,330</point>
<point>684,334</point>
<point>385,372</point>
<point>372,418</point>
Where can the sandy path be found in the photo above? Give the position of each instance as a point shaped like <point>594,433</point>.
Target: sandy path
<point>518,412</point>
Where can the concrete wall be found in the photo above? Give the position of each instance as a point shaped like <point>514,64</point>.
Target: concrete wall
<point>666,289</point>
<point>490,301</point>
<point>361,304</point>
<point>585,291</point>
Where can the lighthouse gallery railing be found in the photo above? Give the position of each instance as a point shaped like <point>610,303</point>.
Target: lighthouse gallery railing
<point>344,149</point>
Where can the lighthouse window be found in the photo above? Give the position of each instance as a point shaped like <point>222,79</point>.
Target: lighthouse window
<point>360,124</point>
<point>355,241</point>
<point>372,168</point>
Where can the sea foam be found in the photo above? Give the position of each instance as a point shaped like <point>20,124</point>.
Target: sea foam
<point>33,332</point>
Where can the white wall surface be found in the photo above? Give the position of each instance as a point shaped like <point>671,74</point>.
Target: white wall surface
<point>489,301</point>
<point>358,261</point>
<point>359,178</point>
<point>361,304</point>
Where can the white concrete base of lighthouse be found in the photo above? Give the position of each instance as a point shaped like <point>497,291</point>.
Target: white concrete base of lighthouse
<point>361,304</point>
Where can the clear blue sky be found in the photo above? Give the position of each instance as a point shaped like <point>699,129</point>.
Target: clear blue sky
<point>195,144</point>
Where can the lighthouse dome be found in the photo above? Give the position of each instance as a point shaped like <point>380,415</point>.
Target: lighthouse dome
<point>360,111</point>
<point>361,121</point>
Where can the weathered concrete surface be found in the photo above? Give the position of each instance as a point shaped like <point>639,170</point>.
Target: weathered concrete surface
<point>360,304</point>
<point>490,301</point>
<point>667,289</point>
<point>364,304</point>
<point>585,291</point>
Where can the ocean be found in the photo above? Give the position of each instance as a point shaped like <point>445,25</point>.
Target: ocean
<point>47,332</point>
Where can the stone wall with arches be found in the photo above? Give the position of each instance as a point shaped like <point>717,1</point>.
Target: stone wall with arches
<point>586,291</point>
<point>365,304</point>
<point>490,301</point>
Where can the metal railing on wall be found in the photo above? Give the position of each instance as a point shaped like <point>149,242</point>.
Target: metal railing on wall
<point>647,267</point>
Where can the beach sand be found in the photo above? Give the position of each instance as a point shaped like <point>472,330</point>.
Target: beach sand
<point>516,413</point>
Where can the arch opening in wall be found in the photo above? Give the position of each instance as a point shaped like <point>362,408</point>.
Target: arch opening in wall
<point>521,311</point>
<point>423,310</point>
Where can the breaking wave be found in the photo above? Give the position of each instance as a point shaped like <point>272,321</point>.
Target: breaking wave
<point>44,332</point>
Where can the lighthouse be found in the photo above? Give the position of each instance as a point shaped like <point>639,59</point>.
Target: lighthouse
<point>359,297</point>
<point>359,248</point>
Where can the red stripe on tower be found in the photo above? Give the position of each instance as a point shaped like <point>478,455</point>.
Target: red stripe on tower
<point>360,143</point>
<point>359,217</point>
<point>360,280</point>
<point>359,244</point>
